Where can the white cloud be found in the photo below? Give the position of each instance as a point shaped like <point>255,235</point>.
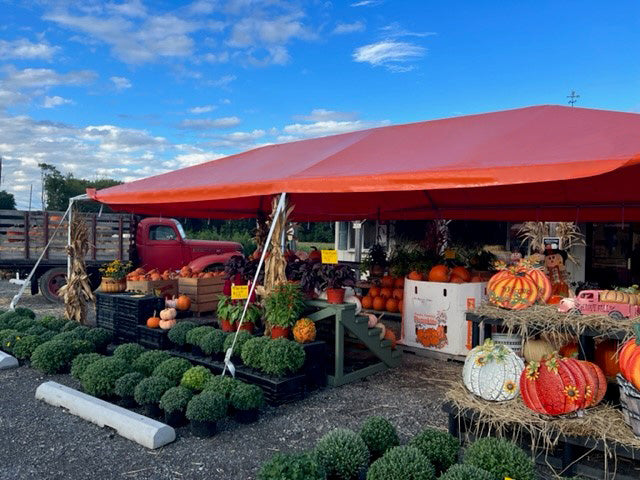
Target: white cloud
<point>324,128</point>
<point>366,3</point>
<point>323,115</point>
<point>209,123</point>
<point>134,8</point>
<point>223,81</point>
<point>24,49</point>
<point>202,109</point>
<point>45,77</point>
<point>225,101</point>
<point>50,102</point>
<point>190,159</point>
<point>393,55</point>
<point>238,140</point>
<point>343,28</point>
<point>120,83</point>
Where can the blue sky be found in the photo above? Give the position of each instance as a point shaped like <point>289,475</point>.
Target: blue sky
<point>131,89</point>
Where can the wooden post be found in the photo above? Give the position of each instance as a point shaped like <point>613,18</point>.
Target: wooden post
<point>120,244</point>
<point>45,229</point>
<point>94,236</point>
<point>26,235</point>
<point>339,349</point>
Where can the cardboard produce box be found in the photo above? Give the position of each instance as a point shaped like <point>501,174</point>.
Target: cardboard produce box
<point>203,292</point>
<point>165,288</point>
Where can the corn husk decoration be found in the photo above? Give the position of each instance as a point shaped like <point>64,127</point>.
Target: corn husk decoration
<point>77,292</point>
<point>568,232</point>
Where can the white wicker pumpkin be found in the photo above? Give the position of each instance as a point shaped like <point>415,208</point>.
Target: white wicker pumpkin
<point>493,372</point>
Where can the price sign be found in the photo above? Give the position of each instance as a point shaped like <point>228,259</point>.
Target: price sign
<point>239,292</point>
<point>329,256</point>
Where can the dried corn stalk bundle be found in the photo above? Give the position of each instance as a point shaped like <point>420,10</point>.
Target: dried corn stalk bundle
<point>77,292</point>
<point>568,232</point>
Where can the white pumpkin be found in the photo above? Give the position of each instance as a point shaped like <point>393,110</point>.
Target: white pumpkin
<point>170,302</point>
<point>534,350</point>
<point>383,329</point>
<point>355,300</point>
<point>492,372</point>
<point>168,314</point>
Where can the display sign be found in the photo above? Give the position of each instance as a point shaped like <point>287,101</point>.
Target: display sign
<point>329,256</point>
<point>239,292</point>
<point>552,243</point>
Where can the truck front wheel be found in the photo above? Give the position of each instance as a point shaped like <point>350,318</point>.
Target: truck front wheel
<point>50,283</point>
<point>616,315</point>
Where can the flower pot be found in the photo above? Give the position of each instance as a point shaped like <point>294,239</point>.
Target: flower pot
<point>197,351</point>
<point>226,326</point>
<point>203,429</point>
<point>248,326</point>
<point>335,295</point>
<point>127,402</point>
<point>175,418</point>
<point>111,285</point>
<point>246,416</point>
<point>280,332</point>
<point>152,410</point>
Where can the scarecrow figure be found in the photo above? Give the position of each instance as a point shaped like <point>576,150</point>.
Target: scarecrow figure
<point>556,270</point>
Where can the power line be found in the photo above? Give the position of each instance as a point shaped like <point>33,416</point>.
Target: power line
<point>573,98</point>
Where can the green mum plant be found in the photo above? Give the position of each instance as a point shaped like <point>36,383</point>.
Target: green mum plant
<point>195,335</point>
<point>196,378</point>
<point>148,361</point>
<point>343,454</point>
<point>401,463</point>
<point>292,466</point>
<point>52,357</point>
<point>281,356</point>
<point>213,342</point>
<point>52,323</point>
<point>25,347</point>
<point>129,352</point>
<point>251,353</point>
<point>379,435</point>
<point>25,324</point>
<point>178,333</point>
<point>501,458</point>
<point>172,369</point>
<point>243,337</point>
<point>461,471</point>
<point>440,448</point>
<point>100,337</point>
<point>223,385</point>
<point>150,390</point>
<point>246,397</point>
<point>125,386</point>
<point>207,407</point>
<point>99,378</point>
<point>81,362</point>
<point>175,399</point>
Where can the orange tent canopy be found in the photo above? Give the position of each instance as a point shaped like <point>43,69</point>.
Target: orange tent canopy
<point>535,163</point>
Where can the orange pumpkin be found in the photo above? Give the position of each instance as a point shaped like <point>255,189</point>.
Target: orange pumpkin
<point>606,359</point>
<point>476,279</point>
<point>374,292</point>
<point>461,272</point>
<point>139,271</point>
<point>457,279</point>
<point>439,273</point>
<point>398,282</point>
<point>379,303</point>
<point>542,282</point>
<point>570,350</point>
<point>398,293</point>
<point>554,300</point>
<point>514,290</point>
<point>392,305</point>
<point>154,277</point>
<point>389,335</point>
<point>367,302</point>
<point>416,276</point>
<point>153,322</point>
<point>629,360</point>
<point>185,272</point>
<point>386,292</point>
<point>183,302</point>
<point>400,303</point>
<point>387,281</point>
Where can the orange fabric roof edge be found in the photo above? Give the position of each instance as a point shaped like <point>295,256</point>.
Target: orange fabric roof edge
<point>543,162</point>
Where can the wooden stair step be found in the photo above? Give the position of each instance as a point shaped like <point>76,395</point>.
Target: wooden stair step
<point>360,320</point>
<point>385,343</point>
<point>374,332</point>
<point>396,353</point>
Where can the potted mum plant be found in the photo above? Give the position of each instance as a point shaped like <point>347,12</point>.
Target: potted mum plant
<point>224,313</point>
<point>283,307</point>
<point>246,400</point>
<point>174,402</point>
<point>114,276</point>
<point>204,411</point>
<point>334,279</point>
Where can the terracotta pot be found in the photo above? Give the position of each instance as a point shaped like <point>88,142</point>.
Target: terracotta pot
<point>227,326</point>
<point>335,295</point>
<point>248,326</point>
<point>111,285</point>
<point>280,332</point>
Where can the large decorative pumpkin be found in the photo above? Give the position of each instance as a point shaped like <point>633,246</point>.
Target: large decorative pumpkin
<point>629,359</point>
<point>606,357</point>
<point>514,290</point>
<point>542,282</point>
<point>491,371</point>
<point>439,273</point>
<point>535,350</point>
<point>304,331</point>
<point>183,303</point>
<point>557,385</point>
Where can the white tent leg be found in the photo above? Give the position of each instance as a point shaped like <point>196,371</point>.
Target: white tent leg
<point>227,357</point>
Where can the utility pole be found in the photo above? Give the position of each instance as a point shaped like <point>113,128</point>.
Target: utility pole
<point>573,98</point>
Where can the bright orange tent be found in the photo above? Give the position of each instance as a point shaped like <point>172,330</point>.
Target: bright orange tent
<point>535,163</point>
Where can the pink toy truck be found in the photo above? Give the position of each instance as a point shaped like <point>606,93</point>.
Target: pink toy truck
<point>588,301</point>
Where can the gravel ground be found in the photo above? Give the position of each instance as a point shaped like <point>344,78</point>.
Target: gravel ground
<point>43,442</point>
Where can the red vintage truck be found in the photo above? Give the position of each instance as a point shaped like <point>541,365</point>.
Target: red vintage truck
<point>149,243</point>
<point>590,301</point>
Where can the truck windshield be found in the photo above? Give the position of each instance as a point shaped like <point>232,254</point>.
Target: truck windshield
<point>181,230</point>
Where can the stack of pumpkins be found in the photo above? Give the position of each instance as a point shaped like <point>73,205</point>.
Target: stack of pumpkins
<point>388,297</point>
<point>188,272</point>
<point>549,384</point>
<point>167,318</point>
<point>139,274</point>
<point>444,274</point>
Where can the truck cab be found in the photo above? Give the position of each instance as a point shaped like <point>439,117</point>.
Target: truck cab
<point>162,243</point>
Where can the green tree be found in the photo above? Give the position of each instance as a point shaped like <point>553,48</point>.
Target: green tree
<point>7,201</point>
<point>60,188</point>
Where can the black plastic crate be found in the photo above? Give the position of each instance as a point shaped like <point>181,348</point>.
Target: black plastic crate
<point>106,323</point>
<point>315,364</point>
<point>153,337</point>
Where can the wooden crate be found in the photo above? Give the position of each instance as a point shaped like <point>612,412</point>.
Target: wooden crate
<point>167,288</point>
<point>203,292</point>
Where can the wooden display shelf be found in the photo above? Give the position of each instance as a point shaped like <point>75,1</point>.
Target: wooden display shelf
<point>389,315</point>
<point>204,293</point>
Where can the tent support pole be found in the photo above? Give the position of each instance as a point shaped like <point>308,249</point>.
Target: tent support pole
<point>279,209</point>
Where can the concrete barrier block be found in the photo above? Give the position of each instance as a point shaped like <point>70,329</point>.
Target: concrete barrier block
<point>143,430</point>
<point>7,361</point>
